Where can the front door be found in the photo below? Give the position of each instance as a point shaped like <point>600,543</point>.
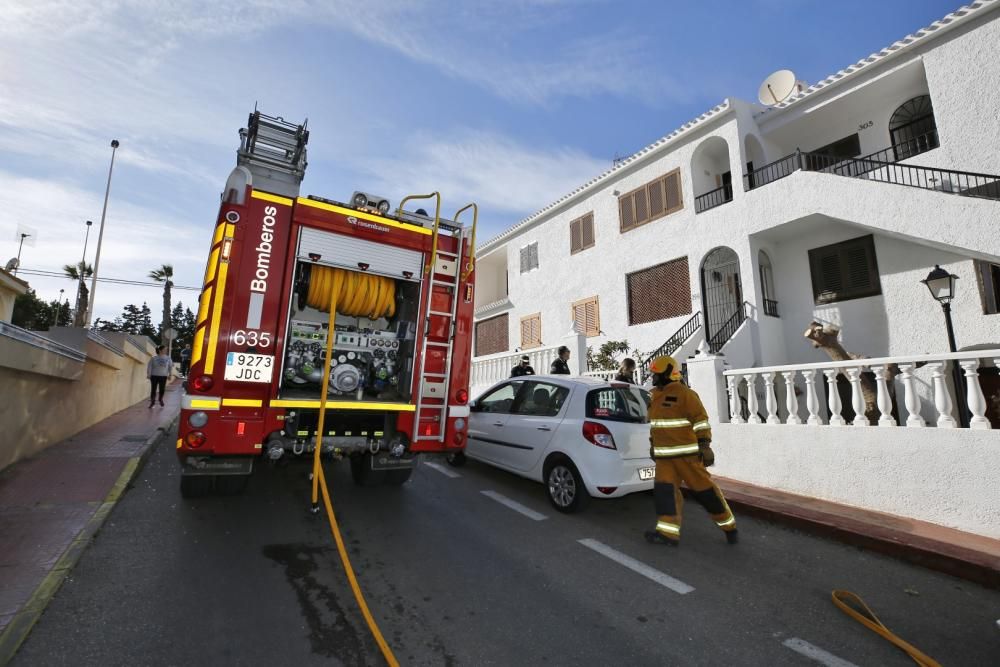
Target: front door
<point>722,293</point>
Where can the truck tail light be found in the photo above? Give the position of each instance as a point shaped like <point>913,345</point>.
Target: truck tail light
<point>459,437</point>
<point>195,439</point>
<point>599,435</point>
<point>202,383</point>
<point>461,396</point>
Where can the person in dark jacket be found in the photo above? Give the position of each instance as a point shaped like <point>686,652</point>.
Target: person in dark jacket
<point>559,366</point>
<point>523,368</point>
<point>626,371</point>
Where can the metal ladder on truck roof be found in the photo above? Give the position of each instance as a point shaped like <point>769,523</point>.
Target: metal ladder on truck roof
<point>435,385</point>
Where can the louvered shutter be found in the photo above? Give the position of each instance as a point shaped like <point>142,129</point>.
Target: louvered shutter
<point>586,317</point>
<point>626,212</point>
<point>525,259</point>
<point>672,185</point>
<point>843,271</point>
<point>576,236</point>
<point>531,331</point>
<point>587,230</point>
<point>655,193</point>
<point>534,255</point>
<point>641,206</point>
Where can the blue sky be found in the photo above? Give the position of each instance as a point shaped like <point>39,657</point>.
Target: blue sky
<point>509,103</point>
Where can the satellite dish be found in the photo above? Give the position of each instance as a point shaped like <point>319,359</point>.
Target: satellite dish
<point>779,87</point>
<point>12,264</point>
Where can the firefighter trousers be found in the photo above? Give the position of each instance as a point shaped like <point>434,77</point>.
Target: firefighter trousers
<point>670,472</point>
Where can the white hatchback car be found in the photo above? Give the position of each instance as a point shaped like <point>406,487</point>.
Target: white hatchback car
<point>580,436</point>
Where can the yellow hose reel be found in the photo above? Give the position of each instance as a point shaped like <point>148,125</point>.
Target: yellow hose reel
<point>357,294</point>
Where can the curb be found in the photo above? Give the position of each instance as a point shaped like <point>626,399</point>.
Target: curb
<point>22,623</point>
<point>950,559</point>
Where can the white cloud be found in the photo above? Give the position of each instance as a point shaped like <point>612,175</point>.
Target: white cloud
<point>506,178</point>
<point>137,239</point>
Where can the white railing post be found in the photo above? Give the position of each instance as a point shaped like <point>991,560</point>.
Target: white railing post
<point>833,401</point>
<point>974,392</point>
<point>791,400</point>
<point>942,398</point>
<point>769,399</point>
<point>910,398</point>
<point>812,399</point>
<point>732,382</point>
<point>884,400</point>
<point>753,418</point>
<point>857,398</point>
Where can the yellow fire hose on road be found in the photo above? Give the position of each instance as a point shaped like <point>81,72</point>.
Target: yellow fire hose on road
<point>868,619</point>
<point>336,283</point>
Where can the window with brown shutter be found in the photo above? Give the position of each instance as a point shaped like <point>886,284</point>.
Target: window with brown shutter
<point>581,233</point>
<point>531,331</point>
<point>529,257</point>
<point>844,271</point>
<point>492,335</point>
<point>659,292</point>
<point>587,316</point>
<point>651,201</point>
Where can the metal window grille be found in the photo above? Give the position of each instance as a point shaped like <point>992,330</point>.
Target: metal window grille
<point>492,335</point>
<point>659,292</point>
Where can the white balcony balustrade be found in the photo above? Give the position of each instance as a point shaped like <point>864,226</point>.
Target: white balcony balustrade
<point>913,387</point>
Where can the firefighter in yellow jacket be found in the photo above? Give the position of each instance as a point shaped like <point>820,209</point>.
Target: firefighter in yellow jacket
<point>681,436</point>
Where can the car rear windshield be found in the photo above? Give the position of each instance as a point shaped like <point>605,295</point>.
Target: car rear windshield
<point>623,404</point>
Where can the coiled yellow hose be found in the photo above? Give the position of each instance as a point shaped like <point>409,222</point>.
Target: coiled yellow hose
<point>356,294</point>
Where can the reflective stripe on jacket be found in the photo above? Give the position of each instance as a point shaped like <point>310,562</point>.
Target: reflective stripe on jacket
<point>677,420</point>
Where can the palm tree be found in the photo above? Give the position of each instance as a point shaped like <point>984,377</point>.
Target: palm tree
<point>80,272</point>
<point>163,275</point>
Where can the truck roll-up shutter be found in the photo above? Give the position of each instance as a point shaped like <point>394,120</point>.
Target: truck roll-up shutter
<point>348,252</point>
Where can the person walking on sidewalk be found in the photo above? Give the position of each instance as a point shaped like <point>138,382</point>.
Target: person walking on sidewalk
<point>559,365</point>
<point>680,439</point>
<point>158,370</point>
<point>185,359</point>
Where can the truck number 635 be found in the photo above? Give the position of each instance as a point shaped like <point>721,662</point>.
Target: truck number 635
<point>251,338</point>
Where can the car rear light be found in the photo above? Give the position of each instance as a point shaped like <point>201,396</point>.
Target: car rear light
<point>202,383</point>
<point>195,439</point>
<point>607,490</point>
<point>599,435</point>
<point>461,396</point>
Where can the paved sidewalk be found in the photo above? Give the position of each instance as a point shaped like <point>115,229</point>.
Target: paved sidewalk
<point>952,551</point>
<point>52,505</point>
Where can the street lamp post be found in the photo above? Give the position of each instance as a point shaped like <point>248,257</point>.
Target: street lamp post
<point>82,277</point>
<point>100,236</point>
<point>942,287</point>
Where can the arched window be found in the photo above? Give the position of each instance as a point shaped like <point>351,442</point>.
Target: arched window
<point>912,128</point>
<point>767,284</point>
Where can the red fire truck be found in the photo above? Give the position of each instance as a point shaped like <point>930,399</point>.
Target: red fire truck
<point>399,286</point>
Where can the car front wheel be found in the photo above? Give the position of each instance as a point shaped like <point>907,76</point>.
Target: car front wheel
<point>565,487</point>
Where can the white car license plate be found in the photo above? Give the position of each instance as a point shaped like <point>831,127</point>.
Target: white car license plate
<point>245,367</point>
<point>647,473</point>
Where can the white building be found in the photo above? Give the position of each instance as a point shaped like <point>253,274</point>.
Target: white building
<point>737,230</point>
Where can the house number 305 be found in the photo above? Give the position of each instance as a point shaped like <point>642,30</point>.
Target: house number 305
<point>865,126</point>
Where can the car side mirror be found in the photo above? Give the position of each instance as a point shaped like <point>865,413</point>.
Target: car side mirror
<point>473,406</point>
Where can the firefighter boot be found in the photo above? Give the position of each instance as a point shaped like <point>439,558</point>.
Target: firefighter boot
<point>732,536</point>
<point>653,537</point>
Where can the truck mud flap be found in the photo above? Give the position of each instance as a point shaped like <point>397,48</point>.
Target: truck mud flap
<point>235,465</point>
<point>384,461</point>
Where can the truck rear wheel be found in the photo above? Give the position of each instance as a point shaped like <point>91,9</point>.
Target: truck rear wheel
<point>362,473</point>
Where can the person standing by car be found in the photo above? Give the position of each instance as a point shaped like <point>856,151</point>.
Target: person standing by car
<point>523,368</point>
<point>681,438</point>
<point>626,371</point>
<point>158,370</point>
<point>559,365</point>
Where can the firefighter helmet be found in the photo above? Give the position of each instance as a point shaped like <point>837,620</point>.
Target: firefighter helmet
<point>667,365</point>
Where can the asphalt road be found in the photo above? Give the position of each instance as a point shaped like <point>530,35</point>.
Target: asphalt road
<point>454,576</point>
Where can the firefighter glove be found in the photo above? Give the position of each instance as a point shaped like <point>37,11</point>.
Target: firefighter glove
<point>706,453</point>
